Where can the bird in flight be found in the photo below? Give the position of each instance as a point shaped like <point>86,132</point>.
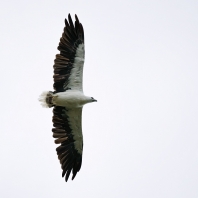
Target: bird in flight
<point>68,98</point>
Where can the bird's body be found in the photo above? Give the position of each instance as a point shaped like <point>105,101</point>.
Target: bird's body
<point>68,98</point>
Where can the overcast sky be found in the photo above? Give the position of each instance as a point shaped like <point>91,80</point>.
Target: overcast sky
<point>141,64</point>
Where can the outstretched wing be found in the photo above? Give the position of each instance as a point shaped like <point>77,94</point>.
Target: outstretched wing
<point>68,67</point>
<point>68,132</point>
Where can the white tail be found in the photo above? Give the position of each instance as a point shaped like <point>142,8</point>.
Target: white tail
<point>44,98</point>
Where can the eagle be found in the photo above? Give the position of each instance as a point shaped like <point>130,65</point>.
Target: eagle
<point>68,99</point>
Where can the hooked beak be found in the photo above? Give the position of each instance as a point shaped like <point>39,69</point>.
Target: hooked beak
<point>94,100</point>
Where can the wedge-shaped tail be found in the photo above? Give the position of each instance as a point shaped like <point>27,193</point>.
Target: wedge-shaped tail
<point>46,99</point>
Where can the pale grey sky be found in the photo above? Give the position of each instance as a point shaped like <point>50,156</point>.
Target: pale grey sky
<point>141,64</point>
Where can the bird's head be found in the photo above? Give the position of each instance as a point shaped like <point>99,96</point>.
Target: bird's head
<point>88,99</point>
<point>93,100</point>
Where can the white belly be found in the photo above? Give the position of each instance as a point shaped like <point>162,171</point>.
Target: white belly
<point>69,99</point>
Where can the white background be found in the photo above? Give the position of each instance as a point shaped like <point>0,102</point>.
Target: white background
<point>141,138</point>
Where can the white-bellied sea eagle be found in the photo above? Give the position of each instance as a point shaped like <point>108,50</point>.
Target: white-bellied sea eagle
<point>68,98</point>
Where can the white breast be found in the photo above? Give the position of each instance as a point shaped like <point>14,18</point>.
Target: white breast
<point>70,99</point>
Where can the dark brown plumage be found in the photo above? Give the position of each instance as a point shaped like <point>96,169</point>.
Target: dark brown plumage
<point>67,154</point>
<point>71,38</point>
